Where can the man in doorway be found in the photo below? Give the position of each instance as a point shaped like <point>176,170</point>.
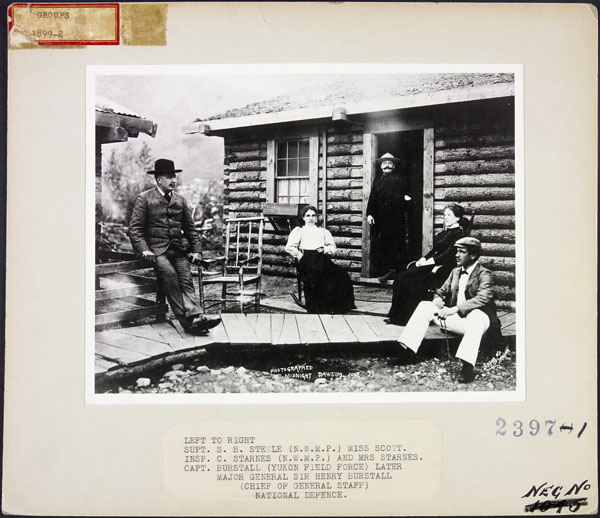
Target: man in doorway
<point>465,303</point>
<point>162,232</point>
<point>387,213</point>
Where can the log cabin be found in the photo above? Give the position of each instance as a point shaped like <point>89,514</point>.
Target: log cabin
<point>455,133</point>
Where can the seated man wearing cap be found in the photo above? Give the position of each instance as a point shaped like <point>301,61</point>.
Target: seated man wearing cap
<point>162,232</point>
<point>465,302</point>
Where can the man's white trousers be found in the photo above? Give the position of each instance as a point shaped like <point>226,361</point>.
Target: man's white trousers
<point>472,327</point>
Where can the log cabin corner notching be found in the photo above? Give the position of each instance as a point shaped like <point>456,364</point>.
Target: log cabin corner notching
<point>456,132</point>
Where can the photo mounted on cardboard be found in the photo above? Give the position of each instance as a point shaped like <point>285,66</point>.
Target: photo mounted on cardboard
<point>324,202</point>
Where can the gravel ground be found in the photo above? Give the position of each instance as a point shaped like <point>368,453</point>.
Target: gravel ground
<point>332,372</point>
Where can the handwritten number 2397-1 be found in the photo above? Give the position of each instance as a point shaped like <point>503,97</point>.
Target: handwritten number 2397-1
<point>518,428</point>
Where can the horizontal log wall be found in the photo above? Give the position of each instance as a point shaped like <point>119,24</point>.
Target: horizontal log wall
<point>474,166</point>
<point>245,194</point>
<point>344,187</point>
<point>245,177</point>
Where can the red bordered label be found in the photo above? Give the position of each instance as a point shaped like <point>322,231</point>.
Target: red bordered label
<point>64,24</point>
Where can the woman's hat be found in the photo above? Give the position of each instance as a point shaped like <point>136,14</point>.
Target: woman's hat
<point>387,156</point>
<point>457,210</point>
<point>164,166</point>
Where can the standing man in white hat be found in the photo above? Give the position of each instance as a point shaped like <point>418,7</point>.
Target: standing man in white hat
<point>465,303</point>
<point>387,213</point>
<point>162,232</point>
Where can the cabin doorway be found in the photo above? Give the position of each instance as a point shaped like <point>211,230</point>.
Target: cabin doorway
<point>415,150</point>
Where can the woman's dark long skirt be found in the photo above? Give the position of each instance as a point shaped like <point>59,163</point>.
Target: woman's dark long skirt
<point>327,288</point>
<point>411,286</point>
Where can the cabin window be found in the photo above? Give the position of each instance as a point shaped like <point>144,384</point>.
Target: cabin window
<point>293,167</point>
<point>292,182</point>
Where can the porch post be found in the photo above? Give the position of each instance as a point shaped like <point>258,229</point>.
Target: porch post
<point>369,154</point>
<point>428,168</point>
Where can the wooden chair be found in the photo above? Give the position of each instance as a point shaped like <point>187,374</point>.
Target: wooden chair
<point>468,226</point>
<point>298,299</point>
<point>467,230</point>
<point>284,217</point>
<point>239,266</point>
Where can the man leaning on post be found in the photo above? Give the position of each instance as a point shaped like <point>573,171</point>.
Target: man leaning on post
<point>465,302</point>
<point>162,232</point>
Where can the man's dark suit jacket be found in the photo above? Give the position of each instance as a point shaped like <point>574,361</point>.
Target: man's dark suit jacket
<point>479,293</point>
<point>156,224</point>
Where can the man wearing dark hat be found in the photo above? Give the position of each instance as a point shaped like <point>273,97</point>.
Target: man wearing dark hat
<point>162,232</point>
<point>465,303</point>
<point>387,213</point>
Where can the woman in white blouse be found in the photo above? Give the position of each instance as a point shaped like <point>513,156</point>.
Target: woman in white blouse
<point>327,288</point>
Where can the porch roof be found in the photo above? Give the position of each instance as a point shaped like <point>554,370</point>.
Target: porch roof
<point>118,123</point>
<point>359,96</point>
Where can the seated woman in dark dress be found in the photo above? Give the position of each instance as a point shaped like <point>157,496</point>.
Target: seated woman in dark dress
<point>412,285</point>
<point>327,288</point>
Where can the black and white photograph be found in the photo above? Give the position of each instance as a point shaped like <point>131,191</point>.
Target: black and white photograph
<point>301,259</point>
<point>303,230</point>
